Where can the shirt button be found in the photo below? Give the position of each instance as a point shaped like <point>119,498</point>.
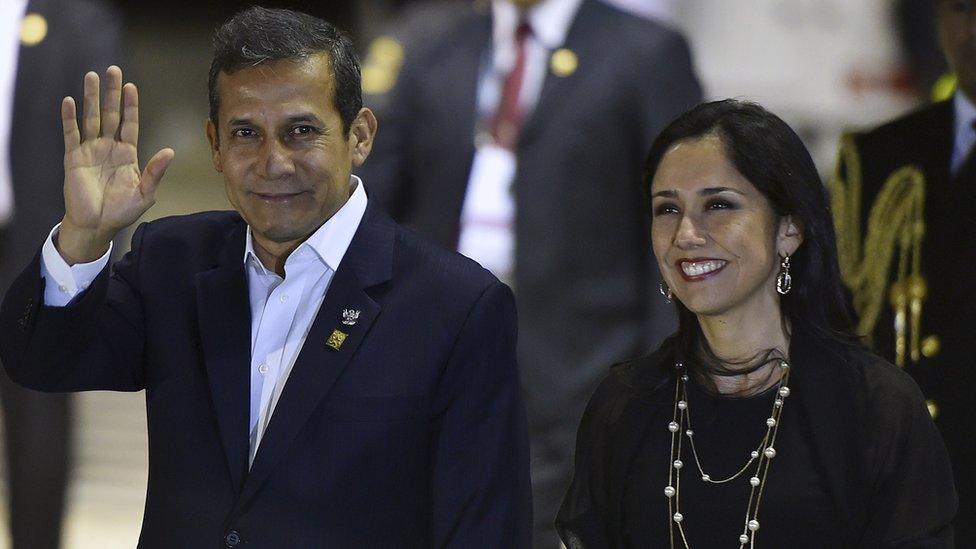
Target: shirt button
<point>232,539</point>
<point>263,368</point>
<point>283,298</point>
<point>62,288</point>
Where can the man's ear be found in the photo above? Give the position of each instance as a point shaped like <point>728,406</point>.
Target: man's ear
<point>790,235</point>
<point>361,134</point>
<point>214,144</point>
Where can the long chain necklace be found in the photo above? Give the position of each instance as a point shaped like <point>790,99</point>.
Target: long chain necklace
<point>761,457</point>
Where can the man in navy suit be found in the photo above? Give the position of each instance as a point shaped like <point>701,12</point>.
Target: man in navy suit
<point>315,375</point>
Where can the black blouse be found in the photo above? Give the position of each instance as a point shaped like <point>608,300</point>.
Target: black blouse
<point>859,462</point>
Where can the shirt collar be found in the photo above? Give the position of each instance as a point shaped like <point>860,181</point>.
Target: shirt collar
<point>331,240</point>
<point>965,115</point>
<point>550,21</point>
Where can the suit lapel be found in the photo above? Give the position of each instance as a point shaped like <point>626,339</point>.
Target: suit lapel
<point>553,94</point>
<point>223,306</point>
<point>367,263</point>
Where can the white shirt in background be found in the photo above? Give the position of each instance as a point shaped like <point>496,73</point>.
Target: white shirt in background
<point>11,14</point>
<point>487,227</point>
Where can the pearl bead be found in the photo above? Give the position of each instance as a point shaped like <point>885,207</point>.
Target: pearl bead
<point>784,365</point>
<point>706,478</point>
<point>770,452</point>
<point>784,392</point>
<point>771,422</point>
<point>669,491</point>
<point>684,378</point>
<point>754,481</point>
<point>753,525</point>
<point>682,405</point>
<point>679,365</point>
<point>743,539</point>
<point>690,433</point>
<point>678,464</point>
<point>778,403</point>
<point>673,427</point>
<point>678,517</point>
<point>754,454</point>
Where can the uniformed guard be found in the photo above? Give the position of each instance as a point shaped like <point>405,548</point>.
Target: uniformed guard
<point>903,198</point>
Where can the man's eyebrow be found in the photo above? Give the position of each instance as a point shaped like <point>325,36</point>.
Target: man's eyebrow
<point>304,117</point>
<point>240,122</point>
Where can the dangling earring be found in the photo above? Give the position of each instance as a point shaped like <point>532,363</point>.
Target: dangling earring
<point>784,282</point>
<point>666,292</point>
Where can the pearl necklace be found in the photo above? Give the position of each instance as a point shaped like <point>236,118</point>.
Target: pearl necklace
<point>761,456</point>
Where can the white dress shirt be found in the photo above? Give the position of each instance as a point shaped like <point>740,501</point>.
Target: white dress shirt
<point>965,134</point>
<point>487,227</point>
<point>282,309</point>
<point>11,15</point>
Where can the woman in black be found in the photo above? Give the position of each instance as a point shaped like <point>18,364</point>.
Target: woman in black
<point>763,421</point>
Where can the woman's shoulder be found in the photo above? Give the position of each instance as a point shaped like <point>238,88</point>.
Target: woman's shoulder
<point>631,378</point>
<point>883,382</point>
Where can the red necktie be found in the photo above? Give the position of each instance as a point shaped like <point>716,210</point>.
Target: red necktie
<point>507,121</point>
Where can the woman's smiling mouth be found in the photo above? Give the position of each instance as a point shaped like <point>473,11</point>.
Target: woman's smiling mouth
<point>698,269</point>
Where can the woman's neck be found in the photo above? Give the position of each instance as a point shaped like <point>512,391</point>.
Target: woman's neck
<point>738,340</point>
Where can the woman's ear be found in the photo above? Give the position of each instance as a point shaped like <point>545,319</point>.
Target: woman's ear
<point>790,235</point>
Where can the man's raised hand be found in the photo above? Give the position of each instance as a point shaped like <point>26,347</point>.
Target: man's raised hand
<point>104,190</point>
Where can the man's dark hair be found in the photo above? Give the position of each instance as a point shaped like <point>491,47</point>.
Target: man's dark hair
<point>258,35</point>
<point>769,154</point>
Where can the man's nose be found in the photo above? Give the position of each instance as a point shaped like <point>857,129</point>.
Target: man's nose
<point>276,161</point>
<point>690,234</point>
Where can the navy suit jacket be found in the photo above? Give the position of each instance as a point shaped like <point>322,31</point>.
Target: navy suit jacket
<point>410,434</point>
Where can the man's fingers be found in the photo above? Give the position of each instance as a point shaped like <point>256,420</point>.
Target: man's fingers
<point>91,118</point>
<point>69,123</point>
<point>155,169</point>
<point>110,105</point>
<point>129,130</point>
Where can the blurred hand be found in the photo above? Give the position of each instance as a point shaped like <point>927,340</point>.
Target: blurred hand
<point>104,190</point>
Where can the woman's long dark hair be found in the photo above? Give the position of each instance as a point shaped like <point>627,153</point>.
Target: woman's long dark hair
<point>768,153</point>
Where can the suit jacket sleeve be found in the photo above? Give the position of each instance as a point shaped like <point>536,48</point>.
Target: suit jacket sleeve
<point>481,490</point>
<point>95,343</point>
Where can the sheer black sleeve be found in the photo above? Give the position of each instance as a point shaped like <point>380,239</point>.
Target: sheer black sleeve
<point>582,520</point>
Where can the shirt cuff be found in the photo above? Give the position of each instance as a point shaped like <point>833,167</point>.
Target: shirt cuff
<point>64,282</point>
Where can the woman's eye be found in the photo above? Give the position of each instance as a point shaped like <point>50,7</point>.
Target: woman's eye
<point>664,209</point>
<point>720,205</point>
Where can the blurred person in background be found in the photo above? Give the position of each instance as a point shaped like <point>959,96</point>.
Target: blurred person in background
<point>903,199</point>
<point>45,48</point>
<point>514,132</point>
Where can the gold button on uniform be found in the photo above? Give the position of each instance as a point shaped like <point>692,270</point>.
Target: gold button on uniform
<point>382,65</point>
<point>563,62</point>
<point>931,346</point>
<point>33,29</point>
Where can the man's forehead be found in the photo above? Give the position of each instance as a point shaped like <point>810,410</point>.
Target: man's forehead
<point>281,80</point>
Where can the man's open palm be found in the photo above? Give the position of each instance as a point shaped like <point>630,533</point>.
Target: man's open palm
<point>104,189</point>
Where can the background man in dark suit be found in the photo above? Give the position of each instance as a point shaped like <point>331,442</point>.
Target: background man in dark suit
<point>516,132</point>
<point>48,46</point>
<point>315,376</point>
<point>909,187</point>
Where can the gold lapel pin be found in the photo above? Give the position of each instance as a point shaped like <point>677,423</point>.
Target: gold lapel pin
<point>563,62</point>
<point>33,29</point>
<point>337,338</point>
